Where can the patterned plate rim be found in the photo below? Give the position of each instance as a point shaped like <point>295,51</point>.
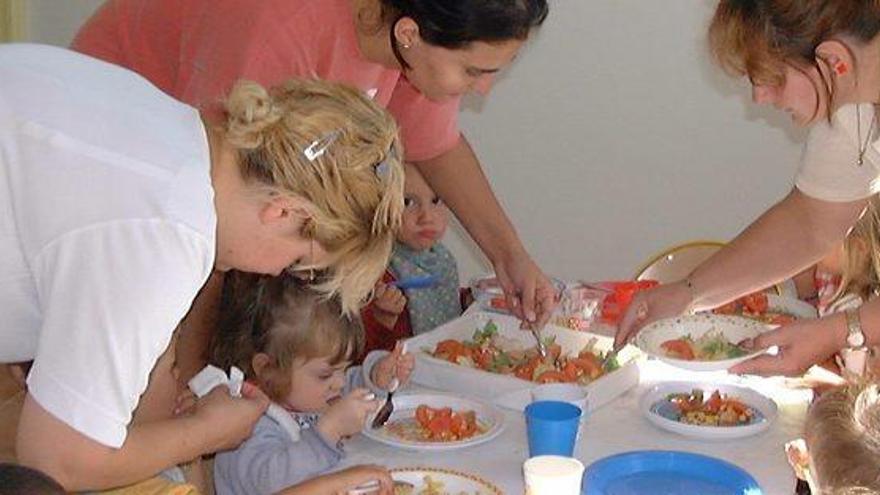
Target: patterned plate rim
<point>487,485</point>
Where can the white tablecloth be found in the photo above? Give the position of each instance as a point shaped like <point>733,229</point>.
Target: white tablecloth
<point>617,427</point>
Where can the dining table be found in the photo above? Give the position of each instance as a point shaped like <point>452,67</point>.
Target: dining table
<point>616,427</point>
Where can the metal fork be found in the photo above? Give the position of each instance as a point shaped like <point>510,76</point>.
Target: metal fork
<point>384,413</point>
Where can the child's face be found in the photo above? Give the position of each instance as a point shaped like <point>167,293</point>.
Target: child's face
<point>314,384</point>
<point>424,215</point>
<point>798,95</point>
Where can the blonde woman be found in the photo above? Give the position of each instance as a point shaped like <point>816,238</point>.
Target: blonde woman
<point>119,201</point>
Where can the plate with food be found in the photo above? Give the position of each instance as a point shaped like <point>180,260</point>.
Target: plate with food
<point>701,342</point>
<point>708,411</point>
<point>437,481</point>
<point>438,422</point>
<point>770,309</point>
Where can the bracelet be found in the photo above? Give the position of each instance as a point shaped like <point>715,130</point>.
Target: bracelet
<point>855,337</point>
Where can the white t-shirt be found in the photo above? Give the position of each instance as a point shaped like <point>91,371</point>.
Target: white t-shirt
<point>829,167</point>
<point>107,229</point>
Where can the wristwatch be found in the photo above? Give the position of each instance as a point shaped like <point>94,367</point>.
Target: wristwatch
<point>855,338</point>
<point>854,357</point>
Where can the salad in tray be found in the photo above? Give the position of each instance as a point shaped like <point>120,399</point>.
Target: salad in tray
<point>489,351</point>
<point>711,346</point>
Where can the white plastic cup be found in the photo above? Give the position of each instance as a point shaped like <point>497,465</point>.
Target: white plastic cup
<point>553,475</point>
<point>564,392</point>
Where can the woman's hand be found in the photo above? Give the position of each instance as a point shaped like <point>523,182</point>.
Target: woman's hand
<point>801,344</point>
<point>651,305</point>
<point>348,415</point>
<point>230,419</point>
<point>530,295</point>
<point>399,364</point>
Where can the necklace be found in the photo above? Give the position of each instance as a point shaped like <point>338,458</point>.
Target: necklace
<point>863,147</point>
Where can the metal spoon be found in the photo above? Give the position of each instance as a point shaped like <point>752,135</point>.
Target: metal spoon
<point>384,413</point>
<point>542,348</point>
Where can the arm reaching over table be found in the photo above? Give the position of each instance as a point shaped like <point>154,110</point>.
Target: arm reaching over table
<point>791,236</point>
<point>458,179</point>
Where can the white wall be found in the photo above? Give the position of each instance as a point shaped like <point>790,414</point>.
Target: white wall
<point>56,21</point>
<point>611,137</point>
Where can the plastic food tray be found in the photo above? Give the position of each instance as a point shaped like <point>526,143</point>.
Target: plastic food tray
<point>507,390</point>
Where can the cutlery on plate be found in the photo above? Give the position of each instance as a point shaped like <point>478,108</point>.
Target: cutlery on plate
<point>384,413</point>
<point>371,487</point>
<point>388,407</point>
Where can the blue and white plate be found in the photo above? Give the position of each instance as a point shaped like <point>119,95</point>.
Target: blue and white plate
<point>663,414</point>
<point>658,472</point>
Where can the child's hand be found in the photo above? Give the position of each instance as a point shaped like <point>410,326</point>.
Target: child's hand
<point>348,415</point>
<point>398,364</point>
<point>388,303</point>
<point>345,480</point>
<point>228,420</point>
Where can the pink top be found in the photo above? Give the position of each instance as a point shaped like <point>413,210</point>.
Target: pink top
<point>196,49</point>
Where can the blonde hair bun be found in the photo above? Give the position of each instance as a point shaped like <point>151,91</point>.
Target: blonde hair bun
<point>250,110</point>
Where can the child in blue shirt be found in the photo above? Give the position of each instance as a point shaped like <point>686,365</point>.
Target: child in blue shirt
<point>296,345</point>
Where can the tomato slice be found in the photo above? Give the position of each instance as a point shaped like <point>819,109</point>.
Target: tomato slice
<point>424,415</point>
<point>679,349</point>
<point>756,303</point>
<point>714,403</point>
<point>552,376</point>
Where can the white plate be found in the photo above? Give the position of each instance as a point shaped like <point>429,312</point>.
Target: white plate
<point>764,406</point>
<point>453,481</point>
<point>405,406</point>
<point>796,307</point>
<point>733,328</point>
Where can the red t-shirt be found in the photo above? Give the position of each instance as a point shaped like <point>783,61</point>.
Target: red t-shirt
<point>376,336</point>
<point>195,50</point>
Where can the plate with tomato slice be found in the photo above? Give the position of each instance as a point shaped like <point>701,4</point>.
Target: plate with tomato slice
<point>701,342</point>
<point>711,411</point>
<point>770,309</point>
<point>438,422</point>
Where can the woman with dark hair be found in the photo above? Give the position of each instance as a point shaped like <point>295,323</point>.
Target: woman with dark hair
<point>417,57</point>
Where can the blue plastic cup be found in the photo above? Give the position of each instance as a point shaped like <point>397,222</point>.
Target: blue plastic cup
<point>552,427</point>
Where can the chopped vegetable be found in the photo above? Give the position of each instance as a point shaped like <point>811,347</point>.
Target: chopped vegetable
<point>488,350</point>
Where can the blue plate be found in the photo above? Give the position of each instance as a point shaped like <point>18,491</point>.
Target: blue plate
<point>659,472</point>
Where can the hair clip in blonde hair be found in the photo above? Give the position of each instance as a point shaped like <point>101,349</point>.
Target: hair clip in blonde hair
<point>383,168</point>
<point>320,145</point>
